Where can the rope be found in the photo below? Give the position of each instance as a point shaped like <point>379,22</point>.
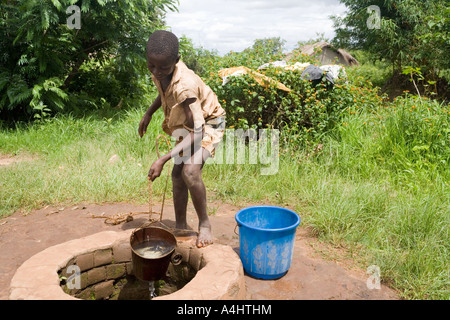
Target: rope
<point>167,178</point>
<point>126,217</point>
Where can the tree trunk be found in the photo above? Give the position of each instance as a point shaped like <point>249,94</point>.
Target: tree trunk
<point>72,73</point>
<point>90,47</point>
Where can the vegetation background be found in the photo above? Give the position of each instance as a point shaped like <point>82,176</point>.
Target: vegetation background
<point>365,164</point>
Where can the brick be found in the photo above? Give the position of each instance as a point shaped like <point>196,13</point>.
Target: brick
<point>202,263</point>
<point>70,263</point>
<point>179,273</point>
<point>102,257</point>
<point>115,271</point>
<point>85,261</point>
<point>96,275</point>
<point>122,252</point>
<point>195,259</point>
<point>84,280</point>
<point>83,283</point>
<point>184,251</point>
<point>129,267</point>
<point>167,289</point>
<point>185,271</point>
<point>86,294</point>
<point>103,290</point>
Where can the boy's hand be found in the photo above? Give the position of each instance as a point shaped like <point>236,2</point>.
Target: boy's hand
<point>144,124</point>
<point>155,169</point>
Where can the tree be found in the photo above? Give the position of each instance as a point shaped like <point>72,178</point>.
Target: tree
<point>269,46</point>
<point>196,58</point>
<point>262,51</point>
<point>409,33</point>
<point>41,57</point>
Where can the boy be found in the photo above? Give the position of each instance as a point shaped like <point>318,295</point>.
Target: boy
<point>194,117</point>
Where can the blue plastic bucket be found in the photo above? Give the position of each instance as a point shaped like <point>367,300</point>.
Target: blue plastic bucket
<point>266,240</point>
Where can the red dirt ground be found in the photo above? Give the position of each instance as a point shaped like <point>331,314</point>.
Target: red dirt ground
<point>310,276</point>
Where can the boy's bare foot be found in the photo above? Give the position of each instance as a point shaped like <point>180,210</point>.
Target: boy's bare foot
<point>205,237</point>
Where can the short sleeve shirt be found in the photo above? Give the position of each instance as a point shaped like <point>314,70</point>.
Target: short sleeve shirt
<point>186,84</point>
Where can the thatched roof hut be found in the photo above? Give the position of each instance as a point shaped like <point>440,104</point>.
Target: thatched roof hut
<point>328,54</point>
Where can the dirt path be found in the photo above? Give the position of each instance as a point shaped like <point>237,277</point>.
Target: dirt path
<point>8,159</point>
<point>310,276</point>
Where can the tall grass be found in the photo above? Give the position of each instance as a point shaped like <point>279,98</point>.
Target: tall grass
<point>379,187</point>
<point>380,182</point>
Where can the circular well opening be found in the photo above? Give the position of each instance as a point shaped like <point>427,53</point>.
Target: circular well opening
<point>97,276</point>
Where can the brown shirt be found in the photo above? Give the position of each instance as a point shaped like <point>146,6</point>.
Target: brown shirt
<point>186,84</point>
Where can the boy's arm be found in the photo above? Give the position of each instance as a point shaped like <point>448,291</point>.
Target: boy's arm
<point>193,138</point>
<point>148,116</point>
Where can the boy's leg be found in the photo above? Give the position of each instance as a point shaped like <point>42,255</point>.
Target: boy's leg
<point>180,196</point>
<point>192,176</point>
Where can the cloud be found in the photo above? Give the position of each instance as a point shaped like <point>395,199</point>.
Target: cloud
<point>235,24</point>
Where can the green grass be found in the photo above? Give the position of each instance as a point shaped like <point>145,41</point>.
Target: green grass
<point>72,162</point>
<point>371,187</point>
<point>379,187</point>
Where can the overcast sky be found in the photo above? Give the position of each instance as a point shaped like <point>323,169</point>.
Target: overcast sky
<point>227,25</point>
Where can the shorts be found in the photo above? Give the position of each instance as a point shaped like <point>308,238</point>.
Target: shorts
<point>214,131</point>
<point>212,135</point>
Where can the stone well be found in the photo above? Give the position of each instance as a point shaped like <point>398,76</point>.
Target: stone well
<point>103,263</point>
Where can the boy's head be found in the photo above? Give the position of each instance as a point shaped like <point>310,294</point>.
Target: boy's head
<point>162,53</point>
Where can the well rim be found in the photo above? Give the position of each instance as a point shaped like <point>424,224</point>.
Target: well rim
<point>220,264</point>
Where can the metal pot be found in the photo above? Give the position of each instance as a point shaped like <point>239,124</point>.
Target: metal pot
<point>152,269</point>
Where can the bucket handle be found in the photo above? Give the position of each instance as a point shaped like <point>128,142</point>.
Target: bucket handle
<point>176,258</point>
<point>237,225</point>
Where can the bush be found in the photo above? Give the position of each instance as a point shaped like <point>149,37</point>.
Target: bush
<point>371,68</point>
<point>305,114</point>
